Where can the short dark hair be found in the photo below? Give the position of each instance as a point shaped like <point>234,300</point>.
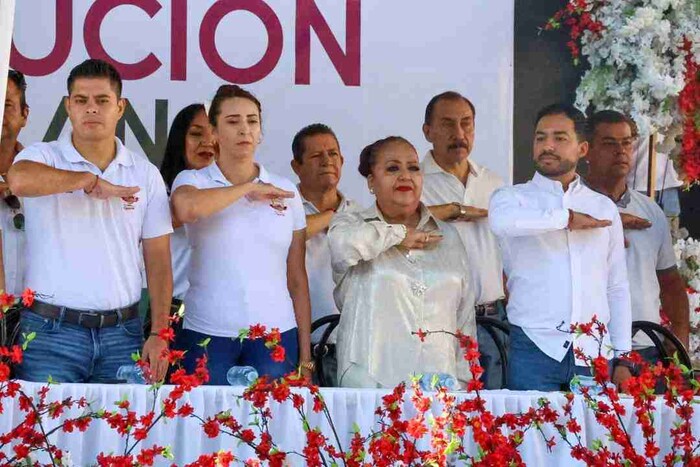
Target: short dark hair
<point>174,158</point>
<point>368,156</point>
<point>17,77</point>
<point>608,116</point>
<point>96,68</point>
<point>571,112</point>
<point>307,132</point>
<point>447,96</point>
<point>229,91</point>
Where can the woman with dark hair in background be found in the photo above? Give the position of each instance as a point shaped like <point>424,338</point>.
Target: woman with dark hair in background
<point>246,227</point>
<point>191,146</point>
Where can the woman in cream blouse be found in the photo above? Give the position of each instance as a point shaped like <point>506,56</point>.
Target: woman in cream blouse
<point>398,269</point>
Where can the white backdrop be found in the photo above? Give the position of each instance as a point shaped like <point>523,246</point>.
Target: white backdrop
<point>7,9</point>
<point>408,52</point>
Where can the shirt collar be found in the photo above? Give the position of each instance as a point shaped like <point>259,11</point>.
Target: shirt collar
<point>555,186</point>
<point>214,173</point>
<point>426,217</point>
<point>622,202</point>
<point>342,206</point>
<point>123,156</point>
<point>430,166</point>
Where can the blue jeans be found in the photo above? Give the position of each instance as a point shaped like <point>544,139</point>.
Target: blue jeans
<point>225,352</point>
<point>531,369</point>
<point>70,353</point>
<point>490,359</point>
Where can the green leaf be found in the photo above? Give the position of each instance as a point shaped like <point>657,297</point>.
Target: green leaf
<point>168,453</point>
<point>27,339</point>
<point>205,342</point>
<point>355,428</point>
<point>453,445</point>
<point>597,445</point>
<point>243,334</point>
<point>136,356</point>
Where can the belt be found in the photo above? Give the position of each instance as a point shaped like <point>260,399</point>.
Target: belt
<point>86,318</point>
<point>488,309</point>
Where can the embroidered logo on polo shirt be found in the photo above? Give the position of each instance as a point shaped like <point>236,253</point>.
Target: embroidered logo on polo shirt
<point>129,202</point>
<point>278,205</point>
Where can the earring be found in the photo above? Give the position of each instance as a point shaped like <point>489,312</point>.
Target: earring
<point>371,190</point>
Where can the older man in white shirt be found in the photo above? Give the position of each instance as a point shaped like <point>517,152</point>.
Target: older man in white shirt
<point>318,163</point>
<point>651,263</point>
<point>457,189</point>
<point>564,256</point>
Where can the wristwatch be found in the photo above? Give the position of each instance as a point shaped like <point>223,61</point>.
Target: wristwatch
<point>462,210</point>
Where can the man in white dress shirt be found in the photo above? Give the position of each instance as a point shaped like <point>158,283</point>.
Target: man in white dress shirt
<point>458,189</point>
<point>564,257</point>
<point>318,163</point>
<point>651,263</point>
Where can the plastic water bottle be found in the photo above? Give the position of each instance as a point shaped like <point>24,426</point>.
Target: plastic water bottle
<point>432,381</point>
<point>584,381</point>
<point>132,374</point>
<point>241,375</point>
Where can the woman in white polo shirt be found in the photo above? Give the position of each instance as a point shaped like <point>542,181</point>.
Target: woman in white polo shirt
<point>398,269</point>
<point>191,146</point>
<point>246,229</point>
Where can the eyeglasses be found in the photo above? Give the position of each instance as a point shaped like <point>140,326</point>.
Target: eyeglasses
<point>13,202</point>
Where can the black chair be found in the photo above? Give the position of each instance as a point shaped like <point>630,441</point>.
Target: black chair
<point>653,331</point>
<point>319,350</point>
<point>9,326</point>
<point>492,327</point>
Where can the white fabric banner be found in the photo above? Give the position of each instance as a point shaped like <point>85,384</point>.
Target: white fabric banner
<point>367,68</point>
<point>348,408</point>
<point>7,15</point>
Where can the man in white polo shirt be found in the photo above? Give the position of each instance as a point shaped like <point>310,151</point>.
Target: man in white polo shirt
<point>458,189</point>
<point>90,204</point>
<point>651,263</point>
<point>564,257</point>
<point>318,163</point>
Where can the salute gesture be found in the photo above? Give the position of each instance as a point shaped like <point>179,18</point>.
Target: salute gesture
<point>581,221</point>
<point>630,222</point>
<point>419,240</point>
<point>267,191</point>
<point>102,189</point>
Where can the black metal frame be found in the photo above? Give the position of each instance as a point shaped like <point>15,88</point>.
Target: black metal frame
<point>320,349</point>
<point>651,329</point>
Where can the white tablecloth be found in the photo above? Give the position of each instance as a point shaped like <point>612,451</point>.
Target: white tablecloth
<point>348,407</point>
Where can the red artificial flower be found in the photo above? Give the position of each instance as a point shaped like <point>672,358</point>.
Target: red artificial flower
<point>6,300</point>
<point>167,334</point>
<point>278,354</point>
<point>211,428</point>
<point>185,411</point>
<point>247,436</point>
<point>28,297</point>
<point>256,331</point>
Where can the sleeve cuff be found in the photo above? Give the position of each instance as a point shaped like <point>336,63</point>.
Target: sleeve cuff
<point>561,217</point>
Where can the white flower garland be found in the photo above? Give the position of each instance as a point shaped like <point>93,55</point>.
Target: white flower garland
<point>637,63</point>
<point>688,262</point>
